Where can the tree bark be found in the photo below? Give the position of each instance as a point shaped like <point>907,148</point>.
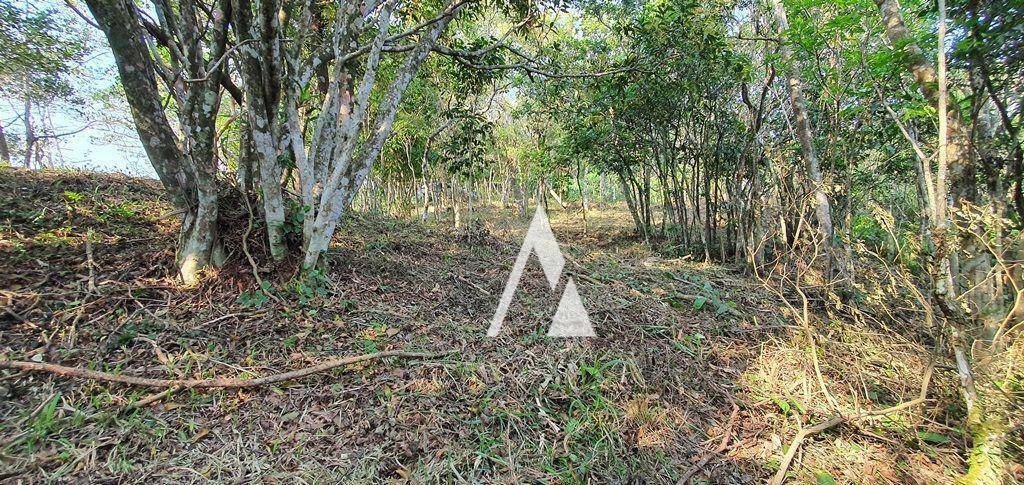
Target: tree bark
<point>30,134</point>
<point>927,82</point>
<point>350,171</point>
<point>802,125</point>
<point>187,169</point>
<point>258,65</point>
<point>5,154</point>
<point>136,71</point>
<point>954,181</point>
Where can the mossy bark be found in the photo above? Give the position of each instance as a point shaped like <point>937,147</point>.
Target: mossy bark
<point>985,462</point>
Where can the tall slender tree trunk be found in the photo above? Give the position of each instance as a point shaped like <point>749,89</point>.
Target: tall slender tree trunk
<point>426,190</point>
<point>5,154</point>
<point>580,177</point>
<point>986,416</point>
<point>352,167</point>
<point>627,190</point>
<point>523,198</point>
<point>244,174</point>
<point>802,125</point>
<point>30,134</point>
<point>955,181</point>
<point>260,69</point>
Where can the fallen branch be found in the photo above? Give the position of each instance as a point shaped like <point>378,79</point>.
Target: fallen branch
<point>783,466</point>
<point>798,440</point>
<point>780,475</point>
<point>226,382</point>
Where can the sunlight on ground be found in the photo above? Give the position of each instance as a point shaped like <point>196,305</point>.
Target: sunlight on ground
<point>678,342</point>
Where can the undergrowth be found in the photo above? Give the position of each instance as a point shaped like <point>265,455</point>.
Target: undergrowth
<point>678,342</point>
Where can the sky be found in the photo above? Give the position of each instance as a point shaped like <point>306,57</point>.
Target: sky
<point>105,143</point>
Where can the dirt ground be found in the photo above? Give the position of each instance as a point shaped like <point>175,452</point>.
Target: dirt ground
<point>696,371</point>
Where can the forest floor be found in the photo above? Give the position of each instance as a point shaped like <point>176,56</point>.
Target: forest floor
<point>693,363</point>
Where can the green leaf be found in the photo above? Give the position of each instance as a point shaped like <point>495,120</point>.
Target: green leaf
<point>824,478</point>
<point>699,302</point>
<point>800,409</point>
<point>782,404</point>
<point>932,438</point>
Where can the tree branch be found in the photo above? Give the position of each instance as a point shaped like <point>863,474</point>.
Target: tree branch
<point>221,382</point>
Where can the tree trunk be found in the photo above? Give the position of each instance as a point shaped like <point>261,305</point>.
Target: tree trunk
<point>986,419</point>
<point>30,134</point>
<point>822,205</point>
<point>523,199</point>
<point>352,167</point>
<point>426,190</point>
<point>5,154</point>
<point>955,179</point>
<point>244,174</point>
<point>191,189</point>
<point>927,81</point>
<point>580,176</point>
<point>135,68</point>
<point>260,67</point>
<point>627,190</point>
<point>200,242</point>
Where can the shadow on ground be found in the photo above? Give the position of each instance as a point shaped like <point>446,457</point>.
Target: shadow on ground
<point>679,344</point>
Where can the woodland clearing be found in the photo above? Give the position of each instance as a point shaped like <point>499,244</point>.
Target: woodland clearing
<point>697,372</point>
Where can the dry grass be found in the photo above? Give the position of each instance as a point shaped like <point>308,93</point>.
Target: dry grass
<point>639,403</point>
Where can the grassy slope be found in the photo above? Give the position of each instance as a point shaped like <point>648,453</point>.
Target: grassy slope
<point>643,401</point>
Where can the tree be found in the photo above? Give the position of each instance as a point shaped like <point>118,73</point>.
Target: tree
<point>331,130</point>
<point>801,120</point>
<point>335,164</point>
<point>953,234</point>
<point>39,59</point>
<point>193,72</point>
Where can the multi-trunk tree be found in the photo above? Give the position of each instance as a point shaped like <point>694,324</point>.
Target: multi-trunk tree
<point>320,86</point>
<point>965,234</point>
<point>348,133</point>
<point>185,47</point>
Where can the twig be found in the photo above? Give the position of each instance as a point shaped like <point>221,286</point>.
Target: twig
<point>797,441</point>
<point>17,316</point>
<point>35,412</point>
<point>726,434</point>
<point>922,397</point>
<point>81,15</point>
<point>835,421</point>
<point>222,382</point>
<point>221,318</point>
<point>217,63</point>
<point>803,316</point>
<point>248,255</point>
<point>245,242</point>
<point>152,398</point>
<point>474,285</point>
<point>90,262</point>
